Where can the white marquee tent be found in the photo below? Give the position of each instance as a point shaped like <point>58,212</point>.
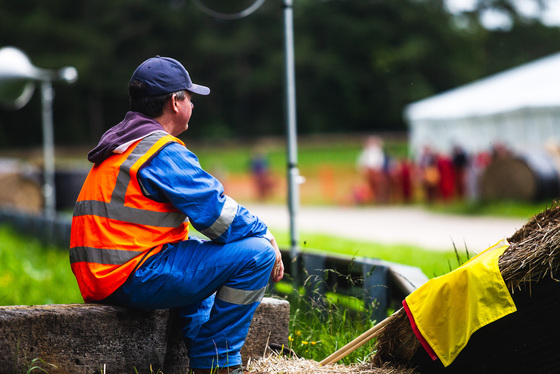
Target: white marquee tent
<point>519,108</point>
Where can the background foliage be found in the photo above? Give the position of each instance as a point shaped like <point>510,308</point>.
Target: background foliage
<point>358,62</point>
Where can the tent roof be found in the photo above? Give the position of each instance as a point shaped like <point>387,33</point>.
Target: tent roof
<point>532,85</point>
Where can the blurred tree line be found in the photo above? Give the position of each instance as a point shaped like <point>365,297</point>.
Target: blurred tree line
<point>358,62</point>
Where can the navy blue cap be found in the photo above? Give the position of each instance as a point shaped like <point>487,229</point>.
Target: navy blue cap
<point>163,75</point>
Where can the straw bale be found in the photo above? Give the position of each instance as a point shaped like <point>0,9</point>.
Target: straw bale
<point>548,217</point>
<point>397,343</point>
<point>275,363</point>
<point>534,253</point>
<point>19,192</point>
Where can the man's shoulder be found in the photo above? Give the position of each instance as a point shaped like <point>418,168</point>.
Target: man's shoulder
<point>175,147</point>
<point>175,153</point>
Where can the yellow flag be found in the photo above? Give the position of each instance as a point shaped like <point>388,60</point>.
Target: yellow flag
<point>447,310</point>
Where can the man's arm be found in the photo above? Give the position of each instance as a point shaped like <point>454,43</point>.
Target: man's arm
<point>175,175</point>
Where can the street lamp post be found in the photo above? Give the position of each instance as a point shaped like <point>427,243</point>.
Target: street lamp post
<point>294,178</point>
<point>17,78</point>
<point>47,97</point>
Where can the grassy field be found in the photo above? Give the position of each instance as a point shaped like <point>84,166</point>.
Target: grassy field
<point>432,263</point>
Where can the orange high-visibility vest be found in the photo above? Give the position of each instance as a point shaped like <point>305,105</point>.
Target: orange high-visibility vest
<point>115,227</point>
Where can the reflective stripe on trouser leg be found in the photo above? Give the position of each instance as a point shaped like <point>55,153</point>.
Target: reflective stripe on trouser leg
<point>195,315</point>
<point>220,339</point>
<point>240,297</point>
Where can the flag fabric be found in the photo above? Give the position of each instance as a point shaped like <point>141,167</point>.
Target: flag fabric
<point>445,311</point>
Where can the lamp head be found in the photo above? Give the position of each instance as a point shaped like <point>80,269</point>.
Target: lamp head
<point>17,76</point>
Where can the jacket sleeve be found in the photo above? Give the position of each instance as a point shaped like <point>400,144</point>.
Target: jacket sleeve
<point>174,174</point>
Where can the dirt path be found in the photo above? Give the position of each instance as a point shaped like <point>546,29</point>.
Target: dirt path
<point>394,225</point>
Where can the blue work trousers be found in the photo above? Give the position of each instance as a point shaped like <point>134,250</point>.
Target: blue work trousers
<point>216,288</point>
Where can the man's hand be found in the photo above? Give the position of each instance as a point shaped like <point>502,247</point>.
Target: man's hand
<point>278,270</point>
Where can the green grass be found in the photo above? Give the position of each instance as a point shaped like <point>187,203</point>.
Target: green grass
<point>312,153</point>
<point>319,328</point>
<point>34,274</point>
<point>432,263</point>
<point>518,209</point>
<point>235,158</point>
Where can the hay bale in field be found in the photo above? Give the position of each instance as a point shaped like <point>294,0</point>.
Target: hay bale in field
<point>20,193</point>
<point>18,189</point>
<point>527,177</point>
<point>524,341</point>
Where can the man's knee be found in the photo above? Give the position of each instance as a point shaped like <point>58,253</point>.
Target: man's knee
<point>268,251</point>
<point>263,253</point>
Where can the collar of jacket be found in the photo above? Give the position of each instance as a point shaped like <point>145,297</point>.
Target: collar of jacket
<point>133,127</point>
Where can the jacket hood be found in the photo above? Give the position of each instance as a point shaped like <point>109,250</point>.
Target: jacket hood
<point>133,127</point>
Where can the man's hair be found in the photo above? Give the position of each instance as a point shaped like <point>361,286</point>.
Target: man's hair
<point>152,106</point>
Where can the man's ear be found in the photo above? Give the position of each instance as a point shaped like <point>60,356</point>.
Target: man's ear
<point>174,103</point>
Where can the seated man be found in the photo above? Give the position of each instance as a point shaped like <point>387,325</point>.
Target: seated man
<point>129,242</point>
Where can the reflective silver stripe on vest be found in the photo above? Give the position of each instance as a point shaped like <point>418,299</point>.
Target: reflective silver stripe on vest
<point>240,297</point>
<point>101,256</point>
<point>123,178</point>
<point>128,214</point>
<point>116,208</point>
<point>225,219</point>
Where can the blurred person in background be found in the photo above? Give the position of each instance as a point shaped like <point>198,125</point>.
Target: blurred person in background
<point>446,183</point>
<point>428,174</point>
<point>404,177</point>
<point>129,240</point>
<point>460,163</point>
<point>260,172</point>
<point>372,164</point>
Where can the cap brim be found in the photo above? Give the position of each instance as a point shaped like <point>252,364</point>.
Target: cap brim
<point>198,89</point>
